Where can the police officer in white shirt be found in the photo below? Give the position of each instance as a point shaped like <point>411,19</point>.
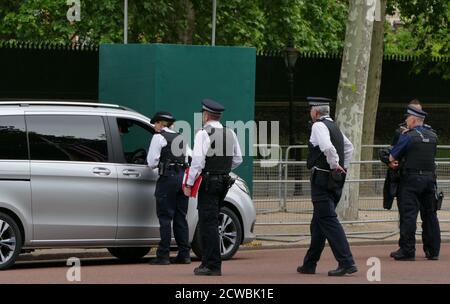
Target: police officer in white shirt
<point>216,151</point>
<point>167,153</point>
<point>330,153</point>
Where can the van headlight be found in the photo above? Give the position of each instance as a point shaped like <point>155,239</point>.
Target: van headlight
<point>242,185</point>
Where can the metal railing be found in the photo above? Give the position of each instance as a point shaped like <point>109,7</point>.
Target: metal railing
<point>281,192</point>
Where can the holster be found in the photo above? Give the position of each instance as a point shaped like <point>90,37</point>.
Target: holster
<point>161,169</point>
<point>438,198</point>
<point>210,181</point>
<point>228,182</point>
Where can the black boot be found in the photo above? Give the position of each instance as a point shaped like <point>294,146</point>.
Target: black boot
<point>306,269</point>
<point>342,270</point>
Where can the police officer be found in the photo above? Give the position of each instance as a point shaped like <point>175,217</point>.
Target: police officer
<point>393,179</point>
<point>216,151</point>
<point>416,150</point>
<point>167,153</point>
<point>330,153</point>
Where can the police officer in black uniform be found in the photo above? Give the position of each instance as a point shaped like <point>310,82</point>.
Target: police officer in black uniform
<point>167,153</point>
<point>222,154</point>
<point>330,153</point>
<point>416,151</point>
<point>392,180</point>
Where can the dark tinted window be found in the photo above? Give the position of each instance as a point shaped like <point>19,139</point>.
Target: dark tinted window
<point>13,138</point>
<point>135,137</point>
<point>67,138</point>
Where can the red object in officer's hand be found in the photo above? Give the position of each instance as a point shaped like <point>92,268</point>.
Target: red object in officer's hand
<point>195,186</point>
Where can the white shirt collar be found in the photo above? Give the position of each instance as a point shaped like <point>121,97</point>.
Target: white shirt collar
<point>326,117</point>
<point>168,130</point>
<point>214,124</point>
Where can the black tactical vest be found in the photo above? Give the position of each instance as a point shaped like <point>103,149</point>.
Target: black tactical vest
<point>220,154</point>
<point>421,151</point>
<point>167,155</point>
<point>316,157</point>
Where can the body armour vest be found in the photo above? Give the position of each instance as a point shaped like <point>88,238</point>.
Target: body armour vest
<point>167,152</point>
<point>220,154</point>
<point>316,157</point>
<point>421,151</point>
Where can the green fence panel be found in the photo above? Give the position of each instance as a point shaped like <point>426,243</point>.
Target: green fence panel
<point>176,78</point>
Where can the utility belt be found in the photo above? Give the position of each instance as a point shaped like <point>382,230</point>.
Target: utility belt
<point>406,171</point>
<point>210,180</point>
<point>164,168</point>
<point>334,180</point>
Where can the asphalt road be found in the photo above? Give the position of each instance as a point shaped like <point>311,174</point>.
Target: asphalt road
<point>248,266</point>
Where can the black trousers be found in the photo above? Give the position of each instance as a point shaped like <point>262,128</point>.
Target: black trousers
<point>325,224</point>
<point>172,205</point>
<point>416,194</point>
<point>210,197</point>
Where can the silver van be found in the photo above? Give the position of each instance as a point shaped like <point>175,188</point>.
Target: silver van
<point>69,178</point>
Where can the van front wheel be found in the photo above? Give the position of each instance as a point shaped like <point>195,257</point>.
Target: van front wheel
<point>10,241</point>
<point>230,235</point>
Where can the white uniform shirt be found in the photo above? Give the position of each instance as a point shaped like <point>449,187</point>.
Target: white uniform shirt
<point>154,152</point>
<point>320,136</point>
<point>202,143</point>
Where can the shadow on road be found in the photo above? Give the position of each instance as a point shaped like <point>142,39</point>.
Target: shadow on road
<point>62,262</point>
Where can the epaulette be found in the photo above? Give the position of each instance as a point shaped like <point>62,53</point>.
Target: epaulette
<point>406,131</point>
<point>428,127</point>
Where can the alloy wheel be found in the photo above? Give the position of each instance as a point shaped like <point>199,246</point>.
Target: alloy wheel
<point>7,242</point>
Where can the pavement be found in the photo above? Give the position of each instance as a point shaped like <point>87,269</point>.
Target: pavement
<point>256,265</point>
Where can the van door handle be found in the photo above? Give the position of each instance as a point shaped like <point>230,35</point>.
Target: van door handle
<point>128,172</point>
<point>101,171</point>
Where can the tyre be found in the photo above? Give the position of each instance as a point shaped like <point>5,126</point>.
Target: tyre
<point>230,231</point>
<point>10,241</point>
<point>129,253</point>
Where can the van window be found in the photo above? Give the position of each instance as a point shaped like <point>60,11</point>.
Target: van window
<point>135,137</point>
<point>67,138</point>
<point>13,137</point>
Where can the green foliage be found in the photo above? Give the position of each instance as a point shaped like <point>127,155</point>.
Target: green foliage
<point>315,25</point>
<point>46,20</point>
<point>425,32</point>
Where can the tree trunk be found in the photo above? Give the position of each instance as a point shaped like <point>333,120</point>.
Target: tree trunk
<point>352,93</point>
<point>373,90</point>
<point>187,32</point>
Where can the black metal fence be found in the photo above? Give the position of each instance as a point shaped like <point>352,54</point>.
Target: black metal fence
<point>36,70</point>
<point>48,71</point>
<point>317,74</point>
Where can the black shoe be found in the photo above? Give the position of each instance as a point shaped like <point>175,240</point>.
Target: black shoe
<point>178,260</point>
<point>196,269</point>
<point>394,253</point>
<point>431,257</point>
<point>401,256</point>
<point>205,271</point>
<point>340,271</point>
<point>159,261</point>
<point>306,269</point>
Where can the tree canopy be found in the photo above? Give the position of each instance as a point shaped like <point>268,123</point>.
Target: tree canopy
<point>425,32</point>
<point>314,25</point>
